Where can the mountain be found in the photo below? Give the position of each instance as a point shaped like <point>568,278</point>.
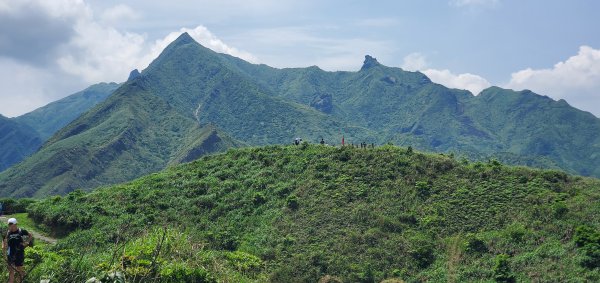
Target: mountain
<point>406,108</point>
<point>49,119</point>
<point>160,117</point>
<point>158,113</point>
<point>24,135</point>
<point>17,141</point>
<point>130,134</point>
<point>309,213</point>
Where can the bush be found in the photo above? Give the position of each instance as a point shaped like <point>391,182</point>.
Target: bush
<point>423,189</point>
<point>292,202</point>
<point>588,241</point>
<point>502,271</point>
<point>474,244</point>
<point>185,274</point>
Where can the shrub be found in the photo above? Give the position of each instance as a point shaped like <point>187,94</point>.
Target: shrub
<point>474,244</point>
<point>292,202</point>
<point>244,262</point>
<point>423,188</point>
<point>501,269</point>
<point>185,274</point>
<point>588,241</point>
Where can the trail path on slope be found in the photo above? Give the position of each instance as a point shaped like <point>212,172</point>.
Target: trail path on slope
<point>35,234</point>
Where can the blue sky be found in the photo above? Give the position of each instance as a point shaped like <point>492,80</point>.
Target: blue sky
<point>49,49</point>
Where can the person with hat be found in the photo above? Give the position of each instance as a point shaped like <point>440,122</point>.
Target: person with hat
<point>14,245</point>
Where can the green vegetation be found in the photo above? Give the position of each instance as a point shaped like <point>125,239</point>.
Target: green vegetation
<point>23,135</point>
<point>17,141</point>
<point>166,114</point>
<point>49,119</point>
<point>304,213</point>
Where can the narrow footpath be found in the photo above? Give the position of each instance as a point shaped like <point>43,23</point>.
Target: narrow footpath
<point>37,236</point>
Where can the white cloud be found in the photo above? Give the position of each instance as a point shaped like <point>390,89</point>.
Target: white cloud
<point>85,50</point>
<point>414,62</point>
<point>473,83</point>
<point>119,13</point>
<point>577,80</point>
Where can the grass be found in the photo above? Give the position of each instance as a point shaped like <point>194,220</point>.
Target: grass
<point>300,213</point>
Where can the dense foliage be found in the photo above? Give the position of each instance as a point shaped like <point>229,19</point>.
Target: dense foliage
<point>309,212</point>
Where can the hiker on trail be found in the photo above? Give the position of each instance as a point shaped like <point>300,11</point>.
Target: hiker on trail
<point>14,246</point>
<point>322,141</point>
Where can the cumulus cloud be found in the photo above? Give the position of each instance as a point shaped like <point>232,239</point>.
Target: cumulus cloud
<point>473,83</point>
<point>49,49</point>
<point>119,13</point>
<point>577,80</point>
<point>414,62</point>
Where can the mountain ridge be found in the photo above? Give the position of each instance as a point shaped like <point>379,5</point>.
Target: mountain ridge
<point>190,87</point>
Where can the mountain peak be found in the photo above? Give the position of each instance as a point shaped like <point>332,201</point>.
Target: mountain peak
<point>369,62</point>
<point>184,38</point>
<point>133,75</point>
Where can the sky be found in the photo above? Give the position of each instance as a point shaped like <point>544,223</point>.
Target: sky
<point>52,48</point>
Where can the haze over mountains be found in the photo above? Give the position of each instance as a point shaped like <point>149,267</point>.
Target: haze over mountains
<point>192,101</point>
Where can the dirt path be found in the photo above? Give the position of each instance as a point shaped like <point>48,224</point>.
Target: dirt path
<point>35,234</point>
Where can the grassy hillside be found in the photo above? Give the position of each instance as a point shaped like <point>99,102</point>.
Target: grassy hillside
<point>17,141</point>
<point>304,213</point>
<point>131,134</point>
<point>49,119</point>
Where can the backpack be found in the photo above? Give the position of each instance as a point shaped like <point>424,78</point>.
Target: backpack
<point>31,242</point>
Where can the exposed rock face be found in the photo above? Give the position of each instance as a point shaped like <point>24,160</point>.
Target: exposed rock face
<point>369,62</point>
<point>322,102</point>
<point>133,75</point>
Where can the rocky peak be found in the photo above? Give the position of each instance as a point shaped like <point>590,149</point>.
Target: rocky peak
<point>369,62</point>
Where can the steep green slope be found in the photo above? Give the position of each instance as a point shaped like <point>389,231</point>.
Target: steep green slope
<point>408,109</point>
<point>49,119</point>
<point>159,117</point>
<point>17,141</point>
<point>131,134</point>
<point>260,105</point>
<point>529,124</point>
<point>201,82</point>
<point>299,213</point>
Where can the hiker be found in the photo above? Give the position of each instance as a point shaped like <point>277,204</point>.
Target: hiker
<point>322,141</point>
<point>297,141</point>
<point>14,246</point>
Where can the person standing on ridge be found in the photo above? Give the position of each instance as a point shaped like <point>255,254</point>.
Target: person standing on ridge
<point>14,246</point>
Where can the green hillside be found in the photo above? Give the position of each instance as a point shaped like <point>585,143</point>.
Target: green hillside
<point>24,135</point>
<point>131,134</point>
<point>17,141</point>
<point>49,119</point>
<point>406,108</point>
<point>155,119</point>
<point>193,87</point>
<point>304,213</point>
